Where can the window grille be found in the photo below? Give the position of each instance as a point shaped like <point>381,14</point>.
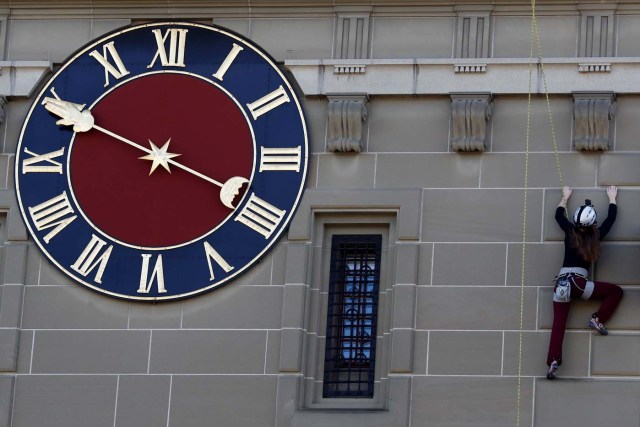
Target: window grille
<point>349,365</point>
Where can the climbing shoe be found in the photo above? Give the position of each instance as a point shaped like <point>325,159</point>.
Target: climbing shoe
<point>551,373</point>
<point>594,323</point>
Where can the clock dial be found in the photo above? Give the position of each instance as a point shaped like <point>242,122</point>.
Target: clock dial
<point>162,161</point>
<point>205,129</point>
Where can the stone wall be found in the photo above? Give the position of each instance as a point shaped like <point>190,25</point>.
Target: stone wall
<point>451,320</point>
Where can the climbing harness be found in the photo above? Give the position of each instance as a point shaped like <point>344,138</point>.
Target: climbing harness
<point>564,280</point>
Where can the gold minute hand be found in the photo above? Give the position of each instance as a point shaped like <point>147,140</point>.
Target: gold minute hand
<point>72,114</point>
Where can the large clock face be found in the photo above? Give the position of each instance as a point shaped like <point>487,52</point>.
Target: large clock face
<point>161,161</point>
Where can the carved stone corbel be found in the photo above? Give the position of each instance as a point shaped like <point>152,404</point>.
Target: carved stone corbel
<point>347,114</point>
<point>470,114</point>
<point>592,115</point>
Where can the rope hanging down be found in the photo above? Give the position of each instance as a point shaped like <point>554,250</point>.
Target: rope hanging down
<point>534,35</point>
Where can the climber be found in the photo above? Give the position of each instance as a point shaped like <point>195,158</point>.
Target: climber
<point>581,247</point>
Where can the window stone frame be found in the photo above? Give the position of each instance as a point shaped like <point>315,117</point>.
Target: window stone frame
<point>327,226</point>
<point>301,358</point>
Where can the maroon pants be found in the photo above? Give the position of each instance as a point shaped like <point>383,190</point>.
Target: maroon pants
<point>610,294</point>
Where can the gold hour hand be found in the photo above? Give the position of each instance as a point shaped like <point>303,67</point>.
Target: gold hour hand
<point>72,114</point>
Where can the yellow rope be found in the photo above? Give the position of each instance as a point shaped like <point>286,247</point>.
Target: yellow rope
<point>546,94</point>
<point>534,34</point>
<point>524,211</point>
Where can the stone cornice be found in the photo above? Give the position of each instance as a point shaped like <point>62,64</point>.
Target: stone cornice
<point>276,3</point>
<point>205,9</point>
<point>19,78</point>
<point>439,76</point>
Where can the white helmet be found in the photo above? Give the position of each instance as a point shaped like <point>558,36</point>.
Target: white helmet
<point>585,215</point>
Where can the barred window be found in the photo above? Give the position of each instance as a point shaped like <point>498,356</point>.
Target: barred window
<point>349,366</point>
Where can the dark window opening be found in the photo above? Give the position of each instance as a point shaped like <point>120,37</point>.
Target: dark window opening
<point>349,364</point>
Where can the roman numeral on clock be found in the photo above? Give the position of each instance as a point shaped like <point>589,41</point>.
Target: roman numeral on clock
<point>260,216</point>
<point>157,274</point>
<point>268,102</point>
<point>30,164</point>
<point>280,159</point>
<point>177,43</point>
<point>118,71</point>
<point>90,258</point>
<point>55,213</point>
<point>235,50</point>
<point>212,254</point>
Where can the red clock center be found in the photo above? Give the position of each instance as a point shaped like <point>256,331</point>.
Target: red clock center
<point>116,189</point>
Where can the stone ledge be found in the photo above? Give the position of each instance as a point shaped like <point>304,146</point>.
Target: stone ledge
<point>19,78</point>
<point>419,76</point>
